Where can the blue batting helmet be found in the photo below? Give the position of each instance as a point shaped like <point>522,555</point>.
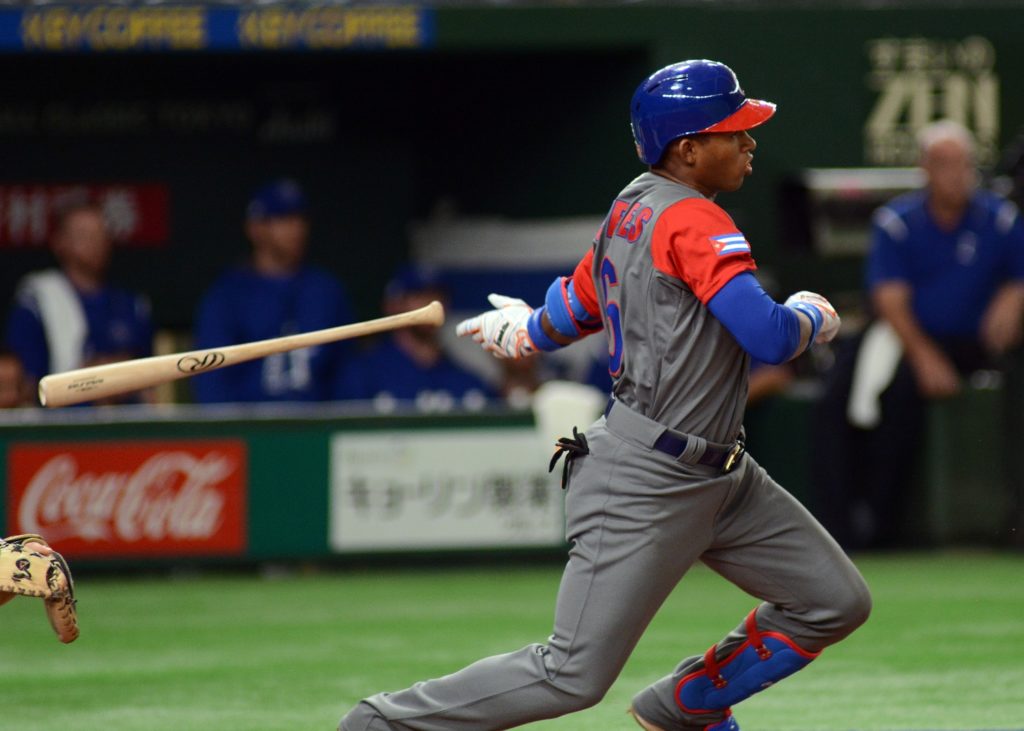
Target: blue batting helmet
<point>687,98</point>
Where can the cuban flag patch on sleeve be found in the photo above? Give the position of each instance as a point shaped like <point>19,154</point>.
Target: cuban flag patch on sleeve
<point>730,244</point>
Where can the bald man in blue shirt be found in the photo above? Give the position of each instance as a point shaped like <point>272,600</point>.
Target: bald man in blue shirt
<point>945,277</point>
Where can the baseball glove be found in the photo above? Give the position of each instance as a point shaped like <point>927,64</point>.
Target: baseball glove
<point>40,572</point>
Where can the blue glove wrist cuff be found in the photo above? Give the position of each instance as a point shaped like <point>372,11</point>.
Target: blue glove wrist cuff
<point>815,316</point>
<point>535,329</point>
<point>565,311</point>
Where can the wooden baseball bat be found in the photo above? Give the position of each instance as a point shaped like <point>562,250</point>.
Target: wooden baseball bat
<point>96,382</point>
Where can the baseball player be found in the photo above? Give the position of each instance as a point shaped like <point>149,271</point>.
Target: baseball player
<point>277,292</point>
<point>662,480</point>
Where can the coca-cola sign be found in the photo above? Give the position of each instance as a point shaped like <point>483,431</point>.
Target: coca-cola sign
<point>134,498</point>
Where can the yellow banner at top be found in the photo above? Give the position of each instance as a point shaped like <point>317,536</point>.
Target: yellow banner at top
<point>115,28</point>
<point>197,28</point>
<point>330,27</point>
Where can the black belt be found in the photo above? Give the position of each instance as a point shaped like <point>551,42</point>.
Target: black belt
<point>724,457</point>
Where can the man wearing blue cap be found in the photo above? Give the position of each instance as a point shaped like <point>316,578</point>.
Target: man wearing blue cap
<point>661,481</point>
<point>275,293</point>
<point>410,364</point>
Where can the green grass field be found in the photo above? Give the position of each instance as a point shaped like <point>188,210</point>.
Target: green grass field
<point>944,648</point>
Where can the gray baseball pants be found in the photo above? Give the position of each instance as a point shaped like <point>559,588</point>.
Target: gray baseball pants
<point>637,520</point>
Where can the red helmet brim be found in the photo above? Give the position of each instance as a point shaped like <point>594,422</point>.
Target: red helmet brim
<point>752,113</point>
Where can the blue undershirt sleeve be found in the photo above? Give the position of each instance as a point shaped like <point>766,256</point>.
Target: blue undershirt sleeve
<point>770,332</point>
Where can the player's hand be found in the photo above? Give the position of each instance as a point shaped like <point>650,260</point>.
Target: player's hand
<point>1001,325</point>
<point>502,330</point>
<point>804,302</point>
<point>935,373</point>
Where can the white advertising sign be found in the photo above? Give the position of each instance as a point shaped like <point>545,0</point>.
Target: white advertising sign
<point>439,489</point>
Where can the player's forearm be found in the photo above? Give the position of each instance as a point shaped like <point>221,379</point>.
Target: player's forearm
<point>1011,298</point>
<point>807,330</point>
<point>551,332</point>
<point>892,302</point>
<point>562,319</point>
<point>768,331</point>
<point>1002,325</point>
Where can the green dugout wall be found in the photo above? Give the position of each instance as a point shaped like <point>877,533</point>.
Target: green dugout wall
<point>126,484</point>
<point>255,484</point>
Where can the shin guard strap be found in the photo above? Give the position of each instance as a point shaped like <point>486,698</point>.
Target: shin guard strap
<point>755,636</point>
<point>711,668</point>
<point>761,660</point>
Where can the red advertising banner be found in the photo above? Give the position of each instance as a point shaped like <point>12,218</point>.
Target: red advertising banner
<point>126,499</point>
<point>137,213</point>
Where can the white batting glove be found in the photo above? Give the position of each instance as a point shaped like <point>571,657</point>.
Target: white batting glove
<point>502,330</point>
<point>823,315</point>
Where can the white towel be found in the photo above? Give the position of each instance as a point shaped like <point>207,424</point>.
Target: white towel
<point>63,318</point>
<point>558,406</point>
<point>877,360</point>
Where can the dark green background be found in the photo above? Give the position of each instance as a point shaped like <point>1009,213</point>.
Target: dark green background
<point>516,111</point>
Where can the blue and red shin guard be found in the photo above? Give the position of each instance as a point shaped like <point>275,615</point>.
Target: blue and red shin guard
<point>763,659</point>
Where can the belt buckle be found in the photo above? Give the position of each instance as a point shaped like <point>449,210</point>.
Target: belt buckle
<point>733,458</point>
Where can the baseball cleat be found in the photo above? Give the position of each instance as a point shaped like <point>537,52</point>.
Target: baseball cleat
<point>726,724</point>
<point>642,722</point>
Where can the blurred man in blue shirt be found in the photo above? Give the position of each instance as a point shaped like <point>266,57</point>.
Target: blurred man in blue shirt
<point>945,276</point>
<point>410,364</point>
<point>72,317</point>
<point>275,293</point>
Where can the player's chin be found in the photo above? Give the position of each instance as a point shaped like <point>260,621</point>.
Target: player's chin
<point>733,184</point>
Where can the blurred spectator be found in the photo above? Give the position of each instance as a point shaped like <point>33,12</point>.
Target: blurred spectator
<point>945,276</point>
<point>71,317</point>
<point>275,293</point>
<point>767,380</point>
<point>14,389</point>
<point>520,379</point>
<point>410,363</point>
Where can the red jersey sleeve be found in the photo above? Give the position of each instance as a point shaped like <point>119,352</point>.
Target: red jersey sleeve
<point>696,241</point>
<point>583,283</point>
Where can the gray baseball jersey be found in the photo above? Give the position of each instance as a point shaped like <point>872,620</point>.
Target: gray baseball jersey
<point>663,252</point>
<point>638,515</point>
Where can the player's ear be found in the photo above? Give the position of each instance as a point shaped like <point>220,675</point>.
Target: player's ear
<point>686,149</point>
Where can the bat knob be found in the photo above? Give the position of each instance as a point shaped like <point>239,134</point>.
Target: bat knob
<point>435,314</point>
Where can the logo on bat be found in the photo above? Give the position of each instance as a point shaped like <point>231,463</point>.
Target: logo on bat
<point>194,363</point>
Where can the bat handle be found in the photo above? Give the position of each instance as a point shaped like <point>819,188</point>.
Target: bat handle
<point>434,314</point>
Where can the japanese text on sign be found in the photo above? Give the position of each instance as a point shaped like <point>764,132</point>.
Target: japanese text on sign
<point>137,214</point>
<point>443,489</point>
<point>920,80</point>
